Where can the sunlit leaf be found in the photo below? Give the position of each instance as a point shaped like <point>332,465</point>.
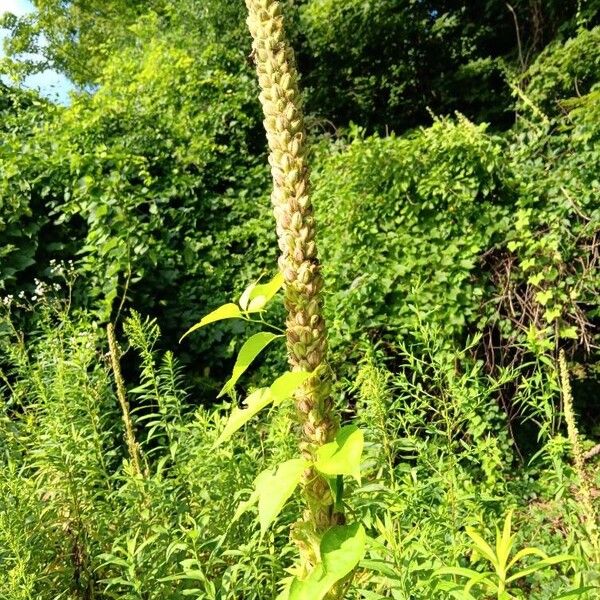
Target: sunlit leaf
<point>576,592</point>
<point>460,571</point>
<point>244,506</point>
<point>245,297</point>
<point>227,311</point>
<point>248,352</point>
<point>342,548</point>
<point>281,389</point>
<point>343,455</point>
<point>255,402</point>
<point>482,546</point>
<point>525,552</point>
<point>504,542</point>
<point>552,560</point>
<point>274,487</point>
<point>256,296</point>
<point>285,385</point>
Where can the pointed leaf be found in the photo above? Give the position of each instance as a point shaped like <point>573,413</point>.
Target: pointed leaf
<point>342,548</point>
<point>227,311</point>
<point>343,455</point>
<point>484,548</point>
<point>255,402</point>
<point>476,580</point>
<point>504,543</point>
<point>285,592</point>
<point>256,296</point>
<point>275,487</point>
<point>521,554</point>
<point>244,506</point>
<point>245,297</point>
<point>576,592</point>
<point>460,571</point>
<point>281,389</point>
<point>248,352</point>
<point>285,385</point>
<point>546,562</point>
<point>261,294</point>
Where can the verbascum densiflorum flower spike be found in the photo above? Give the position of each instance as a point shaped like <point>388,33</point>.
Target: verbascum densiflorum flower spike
<point>585,493</point>
<point>306,332</point>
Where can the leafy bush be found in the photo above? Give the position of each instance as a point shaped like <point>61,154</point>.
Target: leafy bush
<point>564,70</point>
<point>405,221</point>
<point>81,520</point>
<point>22,198</point>
<point>76,519</point>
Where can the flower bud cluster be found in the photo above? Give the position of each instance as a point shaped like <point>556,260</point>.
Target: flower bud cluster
<point>306,332</point>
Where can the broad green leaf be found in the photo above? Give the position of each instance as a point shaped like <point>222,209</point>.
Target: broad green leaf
<point>343,455</point>
<point>248,352</point>
<point>255,402</point>
<point>285,592</point>
<point>244,506</point>
<point>285,385</point>
<point>256,296</point>
<point>273,489</point>
<point>227,311</point>
<point>281,389</point>
<point>342,548</point>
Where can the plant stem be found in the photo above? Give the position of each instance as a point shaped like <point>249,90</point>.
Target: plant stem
<point>305,326</point>
<point>132,445</point>
<point>578,459</point>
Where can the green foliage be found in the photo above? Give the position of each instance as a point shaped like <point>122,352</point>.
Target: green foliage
<point>436,461</point>
<point>564,70</point>
<point>274,488</point>
<point>384,63</point>
<point>343,455</point>
<point>144,181</point>
<point>502,561</point>
<point>81,521</point>
<point>342,548</point>
<point>22,200</point>
<point>252,347</point>
<point>79,37</point>
<point>428,205</point>
<point>467,257</point>
<point>281,389</point>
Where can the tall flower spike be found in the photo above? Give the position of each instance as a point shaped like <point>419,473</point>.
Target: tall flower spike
<point>305,326</point>
<point>585,494</point>
<point>132,445</point>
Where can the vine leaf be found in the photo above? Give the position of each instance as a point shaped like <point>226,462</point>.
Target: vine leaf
<point>256,296</point>
<point>342,548</point>
<point>227,311</point>
<point>281,389</point>
<point>274,487</point>
<point>343,455</point>
<point>252,347</point>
